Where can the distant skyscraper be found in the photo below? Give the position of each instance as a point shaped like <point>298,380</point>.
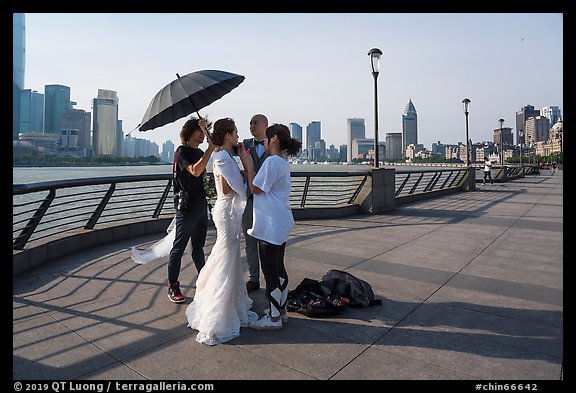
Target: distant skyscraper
<point>295,131</point>
<point>168,151</point>
<point>313,135</point>
<point>409,126</point>
<point>521,116</point>
<point>79,119</point>
<point>105,123</point>
<point>552,113</point>
<point>355,129</point>
<point>31,111</point>
<point>56,102</point>
<point>120,138</point>
<point>361,147</point>
<point>537,129</point>
<point>505,137</point>
<point>343,153</point>
<point>18,68</point>
<point>394,146</point>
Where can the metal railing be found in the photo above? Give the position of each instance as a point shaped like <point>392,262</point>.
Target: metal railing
<point>418,182</point>
<point>508,171</point>
<point>49,208</point>
<point>321,189</point>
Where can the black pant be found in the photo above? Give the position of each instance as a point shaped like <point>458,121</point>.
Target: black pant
<point>487,174</point>
<point>272,263</point>
<point>191,225</point>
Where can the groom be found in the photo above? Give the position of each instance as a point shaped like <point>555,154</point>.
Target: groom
<point>258,125</point>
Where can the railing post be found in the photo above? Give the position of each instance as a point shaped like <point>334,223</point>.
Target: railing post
<point>502,175</point>
<point>100,208</point>
<point>378,195</point>
<point>28,230</point>
<point>158,209</point>
<point>305,193</point>
<point>469,183</point>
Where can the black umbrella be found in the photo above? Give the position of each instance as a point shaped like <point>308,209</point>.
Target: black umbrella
<point>187,94</point>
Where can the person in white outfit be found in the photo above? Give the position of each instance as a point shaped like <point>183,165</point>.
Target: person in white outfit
<point>487,171</point>
<point>272,218</point>
<point>221,304</point>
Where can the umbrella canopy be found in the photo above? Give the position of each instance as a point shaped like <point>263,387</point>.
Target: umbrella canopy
<point>187,94</point>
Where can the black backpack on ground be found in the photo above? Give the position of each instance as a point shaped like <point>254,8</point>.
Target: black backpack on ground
<point>329,296</point>
<point>314,300</point>
<point>357,291</point>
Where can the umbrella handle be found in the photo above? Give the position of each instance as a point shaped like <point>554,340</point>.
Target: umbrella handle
<point>199,117</point>
<point>205,131</point>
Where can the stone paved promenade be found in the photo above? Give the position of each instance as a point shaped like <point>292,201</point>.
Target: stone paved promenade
<point>471,285</point>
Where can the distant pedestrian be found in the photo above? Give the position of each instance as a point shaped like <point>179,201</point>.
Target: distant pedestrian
<point>553,169</point>
<point>487,171</point>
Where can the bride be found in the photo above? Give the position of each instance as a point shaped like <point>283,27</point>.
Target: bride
<point>221,304</point>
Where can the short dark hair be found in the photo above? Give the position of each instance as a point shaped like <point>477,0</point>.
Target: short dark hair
<point>190,127</point>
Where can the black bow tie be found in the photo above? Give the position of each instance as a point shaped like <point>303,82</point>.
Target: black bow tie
<point>257,142</point>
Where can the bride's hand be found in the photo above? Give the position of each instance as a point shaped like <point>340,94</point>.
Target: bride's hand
<point>246,160</point>
<point>243,153</point>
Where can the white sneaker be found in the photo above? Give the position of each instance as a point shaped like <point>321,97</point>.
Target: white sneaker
<point>283,315</point>
<point>265,323</point>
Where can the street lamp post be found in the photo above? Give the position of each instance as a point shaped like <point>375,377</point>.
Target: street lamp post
<point>466,103</point>
<point>531,153</point>
<point>501,143</point>
<point>375,54</point>
<point>521,135</point>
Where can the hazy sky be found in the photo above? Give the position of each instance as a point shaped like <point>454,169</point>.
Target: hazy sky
<point>303,67</point>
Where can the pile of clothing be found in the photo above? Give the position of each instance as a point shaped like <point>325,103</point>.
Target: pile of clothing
<point>329,296</point>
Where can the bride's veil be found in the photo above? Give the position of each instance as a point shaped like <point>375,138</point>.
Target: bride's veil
<point>159,249</point>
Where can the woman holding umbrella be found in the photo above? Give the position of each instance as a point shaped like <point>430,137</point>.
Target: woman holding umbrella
<point>192,213</point>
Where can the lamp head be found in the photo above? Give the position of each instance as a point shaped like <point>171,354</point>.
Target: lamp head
<point>375,54</point>
<point>466,103</point>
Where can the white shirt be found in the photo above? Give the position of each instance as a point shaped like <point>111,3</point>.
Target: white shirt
<point>259,148</point>
<point>487,166</point>
<point>273,220</point>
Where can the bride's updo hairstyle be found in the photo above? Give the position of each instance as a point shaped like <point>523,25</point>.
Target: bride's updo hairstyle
<point>221,128</point>
<point>288,144</point>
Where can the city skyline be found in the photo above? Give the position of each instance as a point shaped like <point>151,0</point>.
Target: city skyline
<point>434,60</point>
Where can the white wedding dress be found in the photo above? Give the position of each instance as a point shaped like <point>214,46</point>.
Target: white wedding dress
<point>221,304</point>
<point>159,249</point>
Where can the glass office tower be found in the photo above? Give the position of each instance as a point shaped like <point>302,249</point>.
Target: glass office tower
<point>18,67</point>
